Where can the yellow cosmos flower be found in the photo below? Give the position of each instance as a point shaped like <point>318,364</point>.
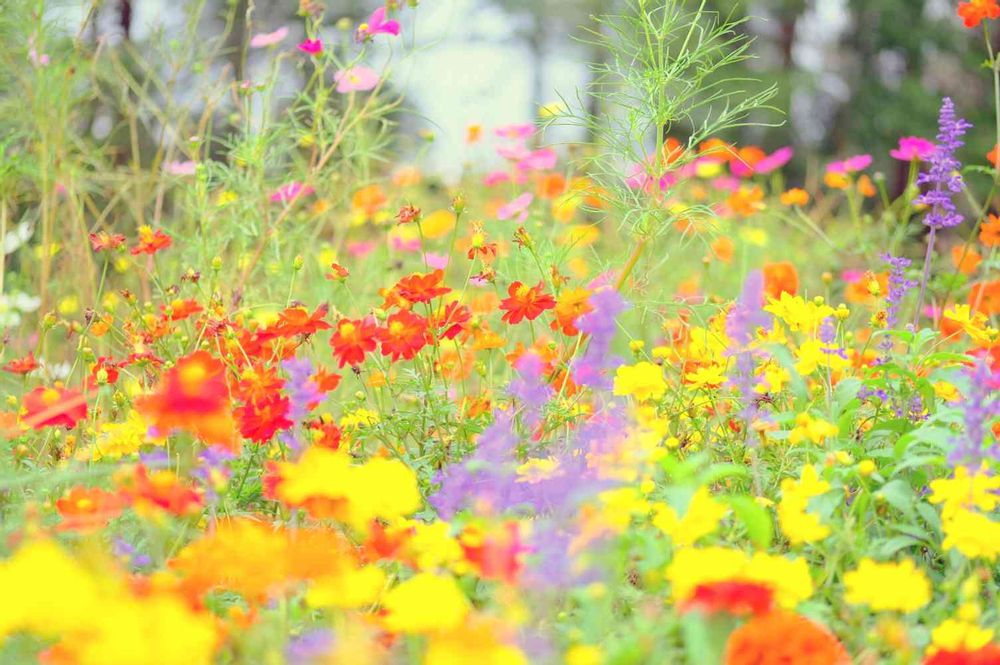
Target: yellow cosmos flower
<point>812,429</point>
<point>643,381</point>
<point>799,525</point>
<point>701,519</point>
<point>888,586</point>
<point>425,603</point>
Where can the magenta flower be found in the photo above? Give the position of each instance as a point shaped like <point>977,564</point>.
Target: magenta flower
<point>850,165</point>
<point>265,39</point>
<point>518,207</point>
<point>770,163</point>
<point>514,152</point>
<point>360,249</point>
<point>494,178</point>
<point>913,147</point>
<point>377,25</point>
<point>539,160</point>
<point>179,168</point>
<point>291,191</point>
<point>356,79</point>
<point>311,46</point>
<point>436,261</point>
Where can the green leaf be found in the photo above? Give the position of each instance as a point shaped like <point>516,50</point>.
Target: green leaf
<point>756,519</point>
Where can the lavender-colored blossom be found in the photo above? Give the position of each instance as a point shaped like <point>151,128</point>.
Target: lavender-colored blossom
<point>867,393</point>
<point>309,647</point>
<point>213,469</point>
<point>981,406</point>
<point>593,367</point>
<point>742,322</point>
<point>529,388</point>
<point>899,286</point>
<point>302,391</point>
<point>943,176</point>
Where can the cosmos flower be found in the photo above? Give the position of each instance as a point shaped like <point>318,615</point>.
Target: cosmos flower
<point>912,148</point>
<point>54,406</point>
<point>265,39</point>
<point>377,25</point>
<point>311,46</point>
<point>356,79</point>
<point>525,302</point>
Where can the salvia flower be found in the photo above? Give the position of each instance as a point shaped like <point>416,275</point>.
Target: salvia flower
<point>942,175</point>
<point>981,406</point>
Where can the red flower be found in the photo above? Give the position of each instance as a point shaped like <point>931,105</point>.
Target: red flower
<point>975,11</point>
<point>110,368</point>
<point>87,509</point>
<point>192,396</point>
<point>783,637</point>
<point>164,491</point>
<point>525,303</point>
<point>733,597</point>
<point>181,309</point>
<point>298,321</point>
<point>987,655</point>
<point>352,340</point>
<point>22,365</point>
<point>258,383</point>
<point>260,420</point>
<point>452,321</point>
<point>338,272</point>
<point>419,287</point>
<point>54,407</point>
<point>150,242</point>
<point>494,554</point>
<point>325,381</point>
<point>403,335</point>
<point>103,240</point>
<point>325,434</point>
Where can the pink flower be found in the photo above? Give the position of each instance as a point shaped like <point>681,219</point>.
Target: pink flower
<point>850,165</point>
<point>518,207</point>
<point>913,147</point>
<point>360,249</point>
<point>311,46</point>
<point>726,184</point>
<point>265,39</point>
<point>539,160</point>
<point>851,276</point>
<point>521,131</point>
<point>291,191</point>
<point>356,79</point>
<point>436,261</point>
<point>494,178</point>
<point>377,25</point>
<point>514,152</point>
<point>770,163</point>
<point>179,168</point>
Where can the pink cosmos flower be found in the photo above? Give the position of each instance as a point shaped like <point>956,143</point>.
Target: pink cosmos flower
<point>291,191</point>
<point>539,160</point>
<point>850,165</point>
<point>377,25</point>
<point>913,147</point>
<point>311,46</point>
<point>770,163</point>
<point>179,168</point>
<point>851,276</point>
<point>518,207</point>
<point>405,244</point>
<point>360,249</point>
<point>356,79</point>
<point>436,261</point>
<point>726,184</point>
<point>514,152</point>
<point>494,178</point>
<point>518,131</point>
<point>265,39</point>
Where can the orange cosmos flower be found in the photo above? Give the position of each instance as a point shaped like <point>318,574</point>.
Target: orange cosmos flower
<point>795,197</point>
<point>473,133</point>
<point>966,261</point>
<point>494,554</point>
<point>746,201</point>
<point>368,200</point>
<point>181,309</point>
<point>975,12</point>
<point>192,396</point>
<point>55,406</point>
<point>525,302</point>
<point>780,277</point>
<point>420,287</point>
<point>988,654</point>
<point>353,339</point>
<point>160,491</point>
<point>87,509</point>
<point>258,383</point>
<point>783,637</point>
<point>989,232</point>
<point>866,187</point>
<point>102,241</point>
<point>403,335</point>
<point>452,320</point>
<point>723,249</point>
<point>260,420</point>
<point>150,241</point>
<point>298,321</point>
<point>985,297</point>
<point>551,185</point>
<point>22,366</point>
<point>994,156</point>
<point>571,305</point>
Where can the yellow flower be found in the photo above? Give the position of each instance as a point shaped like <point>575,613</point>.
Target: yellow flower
<point>711,376</point>
<point>798,525</point>
<point>947,391</point>
<point>433,546</point>
<point>643,381</point>
<point>481,641</point>
<point>773,377</point>
<point>812,429</point>
<point>956,635</point>
<point>425,603</point>
<point>980,491</point>
<point>973,534</point>
<point>348,589</point>
<point>866,467</point>
<point>359,418</point>
<point>117,440</point>
<point>975,324</point>
<point>814,354</point>
<point>798,313</point>
<point>702,518</point>
<point>692,567</point>
<point>789,578</point>
<point>887,586</point>
<point>584,654</point>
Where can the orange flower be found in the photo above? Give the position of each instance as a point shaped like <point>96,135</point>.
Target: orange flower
<point>865,289</point>
<point>723,249</point>
<point>403,335</point>
<point>795,197</point>
<point>571,305</point>
<point>353,339</point>
<point>866,187</point>
<point>420,287</point>
<point>551,185</point>
<point>966,261</point>
<point>87,509</point>
<point>989,232</point>
<point>783,637</point>
<point>160,492</point>
<point>985,297</point>
<point>473,133</point>
<point>746,201</point>
<point>988,654</point>
<point>150,241</point>
<point>192,396</point>
<point>298,321</point>
<point>994,156</point>
<point>975,12</point>
<point>525,302</point>
<point>836,180</point>
<point>494,554</point>
<point>54,407</point>
<point>780,277</point>
<point>368,200</point>
<point>453,319</point>
<point>22,366</point>
<point>181,309</point>
<point>102,241</point>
